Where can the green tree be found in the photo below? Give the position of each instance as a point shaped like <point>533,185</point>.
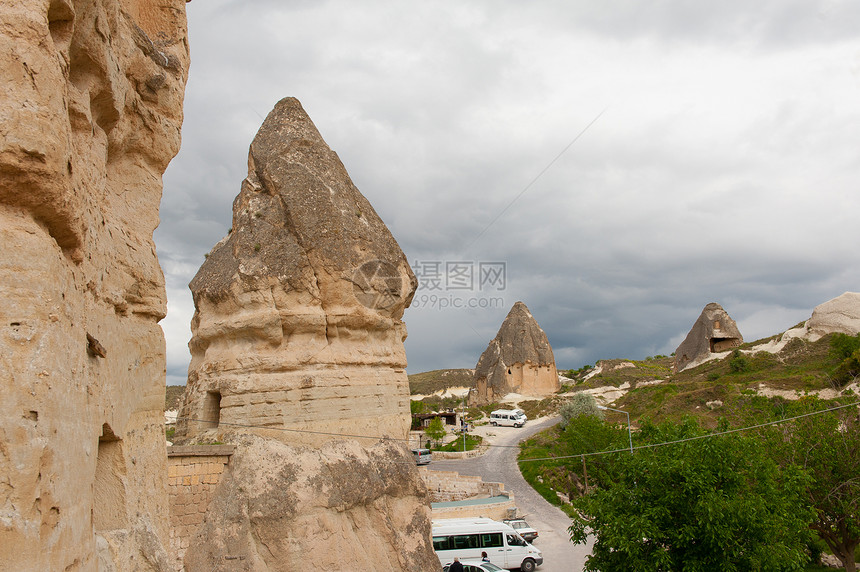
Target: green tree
<point>716,503</point>
<point>828,446</point>
<point>435,430</point>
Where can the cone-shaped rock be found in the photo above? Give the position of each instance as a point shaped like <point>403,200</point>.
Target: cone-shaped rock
<point>518,360</point>
<point>298,360</point>
<point>715,331</point>
<point>297,311</point>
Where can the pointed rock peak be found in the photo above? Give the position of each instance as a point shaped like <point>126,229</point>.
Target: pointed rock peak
<point>518,360</point>
<point>714,332</point>
<point>300,221</point>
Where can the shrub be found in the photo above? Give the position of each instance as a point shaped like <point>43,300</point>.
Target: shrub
<point>579,404</point>
<point>739,363</point>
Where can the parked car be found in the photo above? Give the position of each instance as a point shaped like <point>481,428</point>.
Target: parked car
<point>475,566</point>
<point>521,526</point>
<point>422,456</point>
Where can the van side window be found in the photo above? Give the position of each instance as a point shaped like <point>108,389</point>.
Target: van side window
<point>491,540</point>
<point>442,543</point>
<point>466,541</point>
<point>514,540</point>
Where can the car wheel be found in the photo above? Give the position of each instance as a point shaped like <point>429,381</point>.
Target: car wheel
<point>493,423</point>
<point>528,565</point>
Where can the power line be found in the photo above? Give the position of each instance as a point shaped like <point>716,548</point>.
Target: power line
<point>560,458</point>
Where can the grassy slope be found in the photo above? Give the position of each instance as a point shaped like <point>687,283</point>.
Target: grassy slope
<point>800,367</point>
<point>436,380</point>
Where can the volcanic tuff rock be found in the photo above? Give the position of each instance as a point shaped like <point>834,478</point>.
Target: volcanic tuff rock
<point>343,506</point>
<point>518,360</point>
<point>841,314</point>
<point>297,348</point>
<point>297,311</point>
<point>91,108</point>
<point>715,331</point>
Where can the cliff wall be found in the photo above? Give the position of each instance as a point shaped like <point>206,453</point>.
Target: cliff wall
<point>91,108</point>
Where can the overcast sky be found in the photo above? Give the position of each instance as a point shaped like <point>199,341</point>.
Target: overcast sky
<point>627,162</point>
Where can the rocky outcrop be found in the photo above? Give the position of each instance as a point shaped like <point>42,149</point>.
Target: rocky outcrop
<point>841,314</point>
<point>91,107</point>
<point>342,506</point>
<point>518,360</point>
<point>714,332</point>
<point>298,359</point>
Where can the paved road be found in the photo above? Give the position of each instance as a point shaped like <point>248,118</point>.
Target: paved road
<point>498,464</point>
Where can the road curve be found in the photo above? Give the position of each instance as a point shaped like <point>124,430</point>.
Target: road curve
<point>499,464</point>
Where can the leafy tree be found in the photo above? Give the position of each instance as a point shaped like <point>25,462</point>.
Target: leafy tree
<point>435,430</point>
<point>828,446</point>
<point>579,404</point>
<point>417,407</point>
<point>716,503</point>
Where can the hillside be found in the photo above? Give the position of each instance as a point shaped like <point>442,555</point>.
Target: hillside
<point>430,382</point>
<point>649,388</point>
<point>173,397</point>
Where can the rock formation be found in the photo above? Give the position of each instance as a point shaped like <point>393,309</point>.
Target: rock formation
<point>91,107</point>
<point>841,314</point>
<point>297,354</point>
<point>518,360</point>
<point>713,332</point>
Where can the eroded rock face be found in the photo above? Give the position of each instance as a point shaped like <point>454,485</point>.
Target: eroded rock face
<point>343,506</point>
<point>297,348</point>
<point>518,360</point>
<point>714,332</point>
<point>91,108</point>
<point>841,314</point>
<point>297,323</point>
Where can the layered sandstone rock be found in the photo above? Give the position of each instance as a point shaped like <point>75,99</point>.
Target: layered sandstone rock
<point>518,360</point>
<point>91,108</point>
<point>343,506</point>
<point>713,332</point>
<point>298,359</point>
<point>841,314</point>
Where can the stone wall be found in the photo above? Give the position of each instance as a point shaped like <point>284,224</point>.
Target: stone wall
<point>499,509</point>
<point>193,472</point>
<point>91,108</point>
<point>446,486</point>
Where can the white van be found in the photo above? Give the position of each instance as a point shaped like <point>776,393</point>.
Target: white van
<point>508,417</point>
<point>422,456</point>
<point>468,537</point>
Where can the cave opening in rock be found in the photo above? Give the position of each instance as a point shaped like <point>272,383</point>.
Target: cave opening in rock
<point>723,344</point>
<point>211,410</point>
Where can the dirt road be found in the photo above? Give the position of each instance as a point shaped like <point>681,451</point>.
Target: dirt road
<point>498,464</point>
